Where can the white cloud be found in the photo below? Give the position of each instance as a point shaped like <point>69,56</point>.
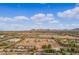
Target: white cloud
<point>21,18</point>
<point>5,26</point>
<point>44,17</point>
<point>71,13</point>
<point>50,17</point>
<point>54,21</point>
<point>39,21</point>
<point>73,25</point>
<point>5,19</point>
<point>16,18</point>
<point>38,17</point>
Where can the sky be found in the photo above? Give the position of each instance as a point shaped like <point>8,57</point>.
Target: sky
<point>27,16</point>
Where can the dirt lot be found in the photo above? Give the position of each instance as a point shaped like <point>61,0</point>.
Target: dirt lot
<point>38,42</point>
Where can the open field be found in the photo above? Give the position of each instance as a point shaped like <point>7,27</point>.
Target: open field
<point>39,42</point>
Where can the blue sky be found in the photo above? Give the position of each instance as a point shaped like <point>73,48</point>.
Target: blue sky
<point>26,16</point>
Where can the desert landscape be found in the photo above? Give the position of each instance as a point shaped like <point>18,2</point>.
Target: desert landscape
<point>39,29</point>
<point>35,42</point>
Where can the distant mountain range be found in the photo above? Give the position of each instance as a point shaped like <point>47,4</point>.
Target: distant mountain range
<point>75,29</point>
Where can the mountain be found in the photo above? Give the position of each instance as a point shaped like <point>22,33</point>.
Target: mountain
<point>75,29</point>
